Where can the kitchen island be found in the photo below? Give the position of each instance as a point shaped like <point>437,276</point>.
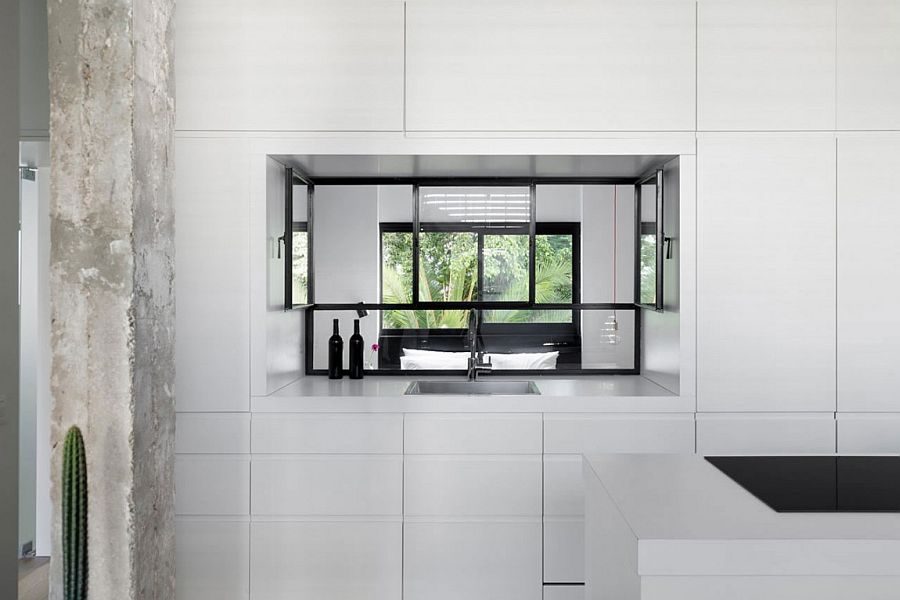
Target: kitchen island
<point>674,527</point>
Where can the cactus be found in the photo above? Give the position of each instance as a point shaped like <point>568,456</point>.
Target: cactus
<point>74,517</point>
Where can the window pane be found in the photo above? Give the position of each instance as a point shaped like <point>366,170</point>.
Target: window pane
<point>396,279</point>
<point>648,268</point>
<point>553,269</point>
<point>396,267</point>
<point>505,268</point>
<point>448,264</point>
<point>300,244</point>
<point>477,205</point>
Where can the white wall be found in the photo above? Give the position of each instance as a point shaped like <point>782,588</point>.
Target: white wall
<point>510,77</point>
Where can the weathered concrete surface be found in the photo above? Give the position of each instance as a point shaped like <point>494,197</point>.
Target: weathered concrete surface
<point>112,284</point>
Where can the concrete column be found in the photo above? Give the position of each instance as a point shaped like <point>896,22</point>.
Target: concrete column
<point>112,284</point>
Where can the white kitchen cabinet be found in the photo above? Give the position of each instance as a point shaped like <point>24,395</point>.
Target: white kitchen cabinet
<point>566,438</point>
<point>208,484</point>
<point>472,506</point>
<point>438,486</point>
<point>628,432</point>
<point>868,273</point>
<point>326,560</point>
<point>536,66</point>
<point>287,65</point>
<point>868,433</point>
<point>327,485</point>
<point>563,549</point>
<point>868,64</point>
<point>277,433</point>
<point>212,559</point>
<point>766,273</point>
<point>765,65</point>
<point>472,434</point>
<point>766,434</point>
<point>212,259</point>
<point>212,433</point>
<point>473,560</point>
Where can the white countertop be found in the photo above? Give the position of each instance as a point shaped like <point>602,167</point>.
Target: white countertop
<point>674,526</point>
<point>619,393</point>
<point>683,496</point>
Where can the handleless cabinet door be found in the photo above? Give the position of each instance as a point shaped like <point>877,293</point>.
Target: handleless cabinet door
<point>766,273</point>
<point>212,259</point>
<point>868,64</point>
<point>868,274</point>
<point>765,65</point>
<point>289,65</point>
<point>528,66</point>
<point>492,560</point>
<point>333,560</point>
<point>212,559</point>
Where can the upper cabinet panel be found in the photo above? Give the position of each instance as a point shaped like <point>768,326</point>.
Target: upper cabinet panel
<point>607,65</point>
<point>765,65</point>
<point>289,65</point>
<point>766,273</point>
<point>868,274</point>
<point>868,64</point>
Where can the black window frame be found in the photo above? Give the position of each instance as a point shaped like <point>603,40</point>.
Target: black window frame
<point>295,176</point>
<point>572,229</point>
<point>656,228</point>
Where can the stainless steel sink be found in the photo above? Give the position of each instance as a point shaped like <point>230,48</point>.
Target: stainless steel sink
<point>472,388</point>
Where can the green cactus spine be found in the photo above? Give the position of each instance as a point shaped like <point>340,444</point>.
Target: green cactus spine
<point>74,517</point>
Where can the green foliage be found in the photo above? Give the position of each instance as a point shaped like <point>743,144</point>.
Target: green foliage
<point>448,272</point>
<point>74,517</point>
<point>648,269</point>
<point>300,267</point>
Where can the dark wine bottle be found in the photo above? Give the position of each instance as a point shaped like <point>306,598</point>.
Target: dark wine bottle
<point>356,352</point>
<point>335,354</point>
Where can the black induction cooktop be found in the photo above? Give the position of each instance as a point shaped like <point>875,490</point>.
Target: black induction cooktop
<point>818,483</point>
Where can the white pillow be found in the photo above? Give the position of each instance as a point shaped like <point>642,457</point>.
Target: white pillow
<point>524,360</point>
<point>436,353</point>
<point>420,363</point>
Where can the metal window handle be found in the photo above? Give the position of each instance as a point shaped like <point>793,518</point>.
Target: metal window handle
<point>667,242</point>
<point>280,242</point>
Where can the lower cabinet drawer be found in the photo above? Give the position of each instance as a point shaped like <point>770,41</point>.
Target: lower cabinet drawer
<point>327,485</point>
<point>563,550</point>
<point>212,559</point>
<point>483,560</point>
<point>486,486</point>
<point>860,433</point>
<point>212,484</point>
<point>326,560</point>
<point>765,433</point>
